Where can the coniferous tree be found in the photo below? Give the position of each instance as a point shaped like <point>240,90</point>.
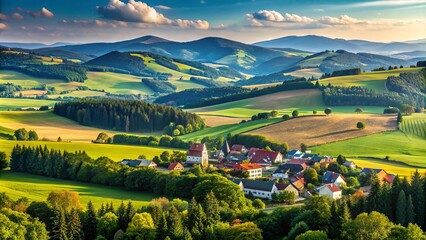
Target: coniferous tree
<point>395,190</point>
<point>176,231</point>
<point>59,225</point>
<point>385,206</point>
<point>90,222</point>
<point>405,185</point>
<point>373,199</point>
<point>334,229</point>
<point>211,209</point>
<point>418,198</point>
<point>74,226</point>
<point>122,222</point>
<point>130,212</point>
<point>410,210</point>
<point>187,235</point>
<point>401,210</point>
<point>162,228</point>
<point>101,210</point>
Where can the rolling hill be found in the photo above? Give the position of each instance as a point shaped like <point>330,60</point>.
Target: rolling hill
<point>315,43</point>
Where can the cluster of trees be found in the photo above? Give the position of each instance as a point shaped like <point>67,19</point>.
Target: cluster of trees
<point>264,115</point>
<point>195,95</point>
<point>411,84</point>
<point>163,141</point>
<point>207,82</point>
<point>346,72</point>
<point>271,78</point>
<point>346,96</point>
<point>61,217</point>
<point>159,86</point>
<point>23,135</point>
<point>301,83</point>
<point>9,89</point>
<point>31,64</point>
<point>79,166</point>
<point>126,115</point>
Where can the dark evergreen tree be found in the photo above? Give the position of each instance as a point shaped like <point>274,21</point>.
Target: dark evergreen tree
<point>122,222</point>
<point>418,197</point>
<point>59,226</point>
<point>410,210</point>
<point>211,206</point>
<point>90,222</point>
<point>162,228</point>
<point>334,229</point>
<point>395,190</point>
<point>176,230</point>
<point>373,199</point>
<point>74,228</point>
<point>401,210</point>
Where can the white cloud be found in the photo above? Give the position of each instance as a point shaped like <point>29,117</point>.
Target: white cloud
<point>3,26</point>
<point>274,16</point>
<point>45,12</point>
<point>40,28</point>
<point>17,16</point>
<point>140,12</point>
<point>389,3</point>
<point>3,17</point>
<point>163,7</point>
<point>341,20</point>
<point>90,23</point>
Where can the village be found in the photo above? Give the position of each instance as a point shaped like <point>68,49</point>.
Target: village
<point>278,178</point>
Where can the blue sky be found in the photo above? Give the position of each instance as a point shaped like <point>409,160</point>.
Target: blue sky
<point>243,20</point>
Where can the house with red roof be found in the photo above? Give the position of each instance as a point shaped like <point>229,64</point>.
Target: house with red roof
<point>265,157</point>
<point>254,170</point>
<point>198,154</point>
<point>382,175</point>
<point>331,190</point>
<point>333,177</point>
<point>176,166</point>
<point>238,149</point>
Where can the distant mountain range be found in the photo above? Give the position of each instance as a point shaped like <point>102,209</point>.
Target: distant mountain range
<point>257,59</point>
<point>315,43</point>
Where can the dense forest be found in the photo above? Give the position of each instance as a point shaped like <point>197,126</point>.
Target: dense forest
<point>411,84</point>
<point>159,86</point>
<point>126,115</point>
<point>301,83</point>
<point>31,64</point>
<point>346,72</point>
<point>124,61</point>
<point>195,95</point>
<point>207,82</point>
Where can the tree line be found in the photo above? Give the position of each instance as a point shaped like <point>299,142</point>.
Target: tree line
<point>31,64</point>
<point>126,115</point>
<point>159,86</point>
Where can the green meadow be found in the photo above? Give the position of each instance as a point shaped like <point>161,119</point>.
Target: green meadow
<point>305,101</point>
<point>224,130</point>
<point>373,80</point>
<point>37,188</point>
<point>408,149</point>
<point>414,125</point>
<point>13,103</point>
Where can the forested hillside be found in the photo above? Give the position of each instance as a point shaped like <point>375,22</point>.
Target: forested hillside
<point>128,116</point>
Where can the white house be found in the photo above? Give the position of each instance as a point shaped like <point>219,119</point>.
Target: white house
<point>333,177</point>
<point>198,154</point>
<point>260,189</point>
<point>254,170</point>
<point>331,190</point>
<point>139,163</point>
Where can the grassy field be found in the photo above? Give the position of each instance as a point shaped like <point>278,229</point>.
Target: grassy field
<point>372,80</point>
<point>13,103</point>
<point>414,125</point>
<point>395,144</point>
<point>113,151</point>
<point>284,102</point>
<point>37,188</point>
<point>214,121</point>
<point>306,73</point>
<point>393,168</point>
<point>49,125</point>
<point>223,130</point>
<point>318,130</point>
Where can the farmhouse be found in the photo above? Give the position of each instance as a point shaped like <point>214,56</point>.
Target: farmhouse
<point>349,164</point>
<point>382,175</point>
<point>291,153</point>
<point>197,154</point>
<point>254,170</point>
<point>265,158</point>
<point>331,190</point>
<point>333,177</point>
<point>238,149</point>
<point>261,189</point>
<point>289,187</point>
<point>176,166</point>
<point>139,163</point>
